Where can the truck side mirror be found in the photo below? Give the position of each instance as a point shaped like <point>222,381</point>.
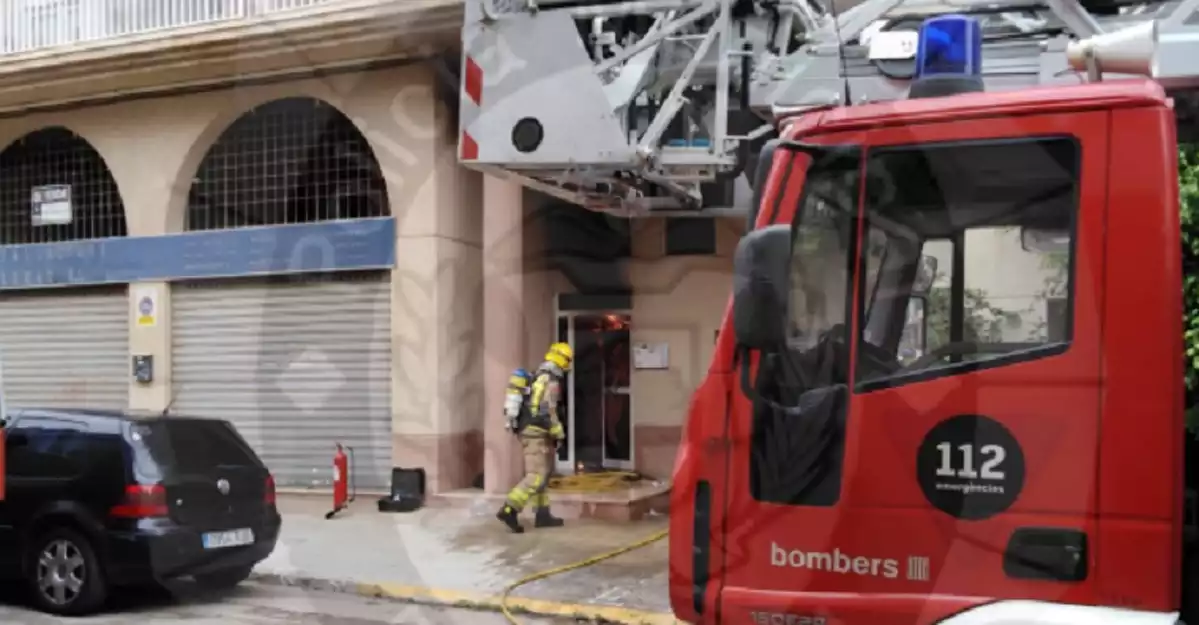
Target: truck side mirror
<point>914,340</point>
<point>762,287</point>
<point>926,273</point>
<point>1044,241</point>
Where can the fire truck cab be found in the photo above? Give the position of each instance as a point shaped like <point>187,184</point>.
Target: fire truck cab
<point>948,387</point>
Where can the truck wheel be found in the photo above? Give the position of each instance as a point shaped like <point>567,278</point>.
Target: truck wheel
<point>223,579</point>
<point>64,574</point>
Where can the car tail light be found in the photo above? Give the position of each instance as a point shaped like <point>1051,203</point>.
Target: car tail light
<point>269,492</point>
<point>141,501</point>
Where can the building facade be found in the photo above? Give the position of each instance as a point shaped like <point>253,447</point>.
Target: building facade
<point>254,211</point>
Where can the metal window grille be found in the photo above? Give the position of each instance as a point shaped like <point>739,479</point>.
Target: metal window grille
<point>296,160</point>
<point>27,25</point>
<point>50,157</point>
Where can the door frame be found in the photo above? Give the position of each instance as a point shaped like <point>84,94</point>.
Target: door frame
<point>567,467</point>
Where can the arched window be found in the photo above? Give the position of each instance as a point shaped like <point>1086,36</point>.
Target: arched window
<point>55,187</point>
<point>294,160</point>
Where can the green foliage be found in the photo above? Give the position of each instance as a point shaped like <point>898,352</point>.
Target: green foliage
<point>982,316</point>
<point>1188,185</point>
<point>981,325</point>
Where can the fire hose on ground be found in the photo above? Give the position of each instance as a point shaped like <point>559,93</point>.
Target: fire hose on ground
<point>587,483</point>
<point>606,481</point>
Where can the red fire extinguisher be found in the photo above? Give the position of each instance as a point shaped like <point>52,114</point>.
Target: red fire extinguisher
<point>342,480</point>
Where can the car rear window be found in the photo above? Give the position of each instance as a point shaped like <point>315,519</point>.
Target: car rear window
<point>181,446</point>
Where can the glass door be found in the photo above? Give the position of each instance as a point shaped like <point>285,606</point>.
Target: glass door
<point>566,451</point>
<point>617,385</point>
<point>598,398</point>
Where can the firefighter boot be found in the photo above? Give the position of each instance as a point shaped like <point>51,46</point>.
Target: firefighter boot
<point>507,515</point>
<point>545,519</point>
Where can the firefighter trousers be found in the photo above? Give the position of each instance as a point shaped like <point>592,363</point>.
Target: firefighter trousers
<point>538,452</point>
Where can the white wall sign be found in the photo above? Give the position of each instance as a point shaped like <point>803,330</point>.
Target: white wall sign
<point>651,356</point>
<point>50,205</point>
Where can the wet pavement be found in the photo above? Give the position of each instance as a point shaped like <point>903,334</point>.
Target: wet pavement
<point>252,604</point>
<point>467,550</point>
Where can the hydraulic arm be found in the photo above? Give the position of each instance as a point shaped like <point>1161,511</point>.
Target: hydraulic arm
<point>660,107</point>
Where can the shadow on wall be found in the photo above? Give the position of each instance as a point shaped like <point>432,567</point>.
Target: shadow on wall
<point>591,249</point>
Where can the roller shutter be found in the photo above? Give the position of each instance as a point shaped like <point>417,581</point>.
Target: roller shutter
<point>296,364</point>
<point>66,348</point>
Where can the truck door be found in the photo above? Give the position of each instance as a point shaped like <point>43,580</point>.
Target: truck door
<point>926,441</point>
<point>699,499</point>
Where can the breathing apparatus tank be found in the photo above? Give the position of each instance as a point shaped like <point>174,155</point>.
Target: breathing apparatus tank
<point>514,398</point>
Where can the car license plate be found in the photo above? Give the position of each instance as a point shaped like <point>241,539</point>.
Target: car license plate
<point>232,538</point>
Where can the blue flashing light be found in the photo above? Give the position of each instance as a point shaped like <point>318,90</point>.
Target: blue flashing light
<point>949,45</point>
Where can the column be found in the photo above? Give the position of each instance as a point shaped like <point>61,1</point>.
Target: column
<point>503,323</point>
<point>437,311</point>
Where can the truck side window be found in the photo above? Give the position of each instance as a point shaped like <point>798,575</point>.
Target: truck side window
<point>999,218</point>
<point>802,388</point>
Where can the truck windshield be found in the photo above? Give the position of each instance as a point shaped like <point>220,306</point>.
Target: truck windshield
<point>964,258</point>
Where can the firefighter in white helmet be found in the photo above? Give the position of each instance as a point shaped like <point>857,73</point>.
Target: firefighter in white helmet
<point>539,438</point>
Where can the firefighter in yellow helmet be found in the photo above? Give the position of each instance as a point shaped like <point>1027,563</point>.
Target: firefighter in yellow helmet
<point>539,437</point>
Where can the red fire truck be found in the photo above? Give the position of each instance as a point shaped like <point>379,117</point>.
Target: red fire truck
<point>948,387</point>
<point>897,428</point>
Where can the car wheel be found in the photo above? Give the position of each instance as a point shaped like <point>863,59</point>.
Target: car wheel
<point>65,575</point>
<point>223,579</point>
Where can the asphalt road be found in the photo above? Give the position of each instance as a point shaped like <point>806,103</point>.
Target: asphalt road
<point>252,604</point>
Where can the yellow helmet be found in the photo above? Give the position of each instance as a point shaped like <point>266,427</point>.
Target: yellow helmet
<point>560,354</point>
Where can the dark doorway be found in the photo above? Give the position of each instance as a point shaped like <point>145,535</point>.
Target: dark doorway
<point>600,433</point>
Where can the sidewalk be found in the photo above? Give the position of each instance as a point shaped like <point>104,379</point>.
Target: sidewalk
<point>464,556</point>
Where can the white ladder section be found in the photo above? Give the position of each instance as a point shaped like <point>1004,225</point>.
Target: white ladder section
<point>659,107</point>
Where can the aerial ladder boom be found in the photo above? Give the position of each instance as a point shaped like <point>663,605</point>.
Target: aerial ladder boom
<point>660,107</point>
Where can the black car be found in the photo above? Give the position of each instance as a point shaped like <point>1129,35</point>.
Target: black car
<point>99,499</point>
